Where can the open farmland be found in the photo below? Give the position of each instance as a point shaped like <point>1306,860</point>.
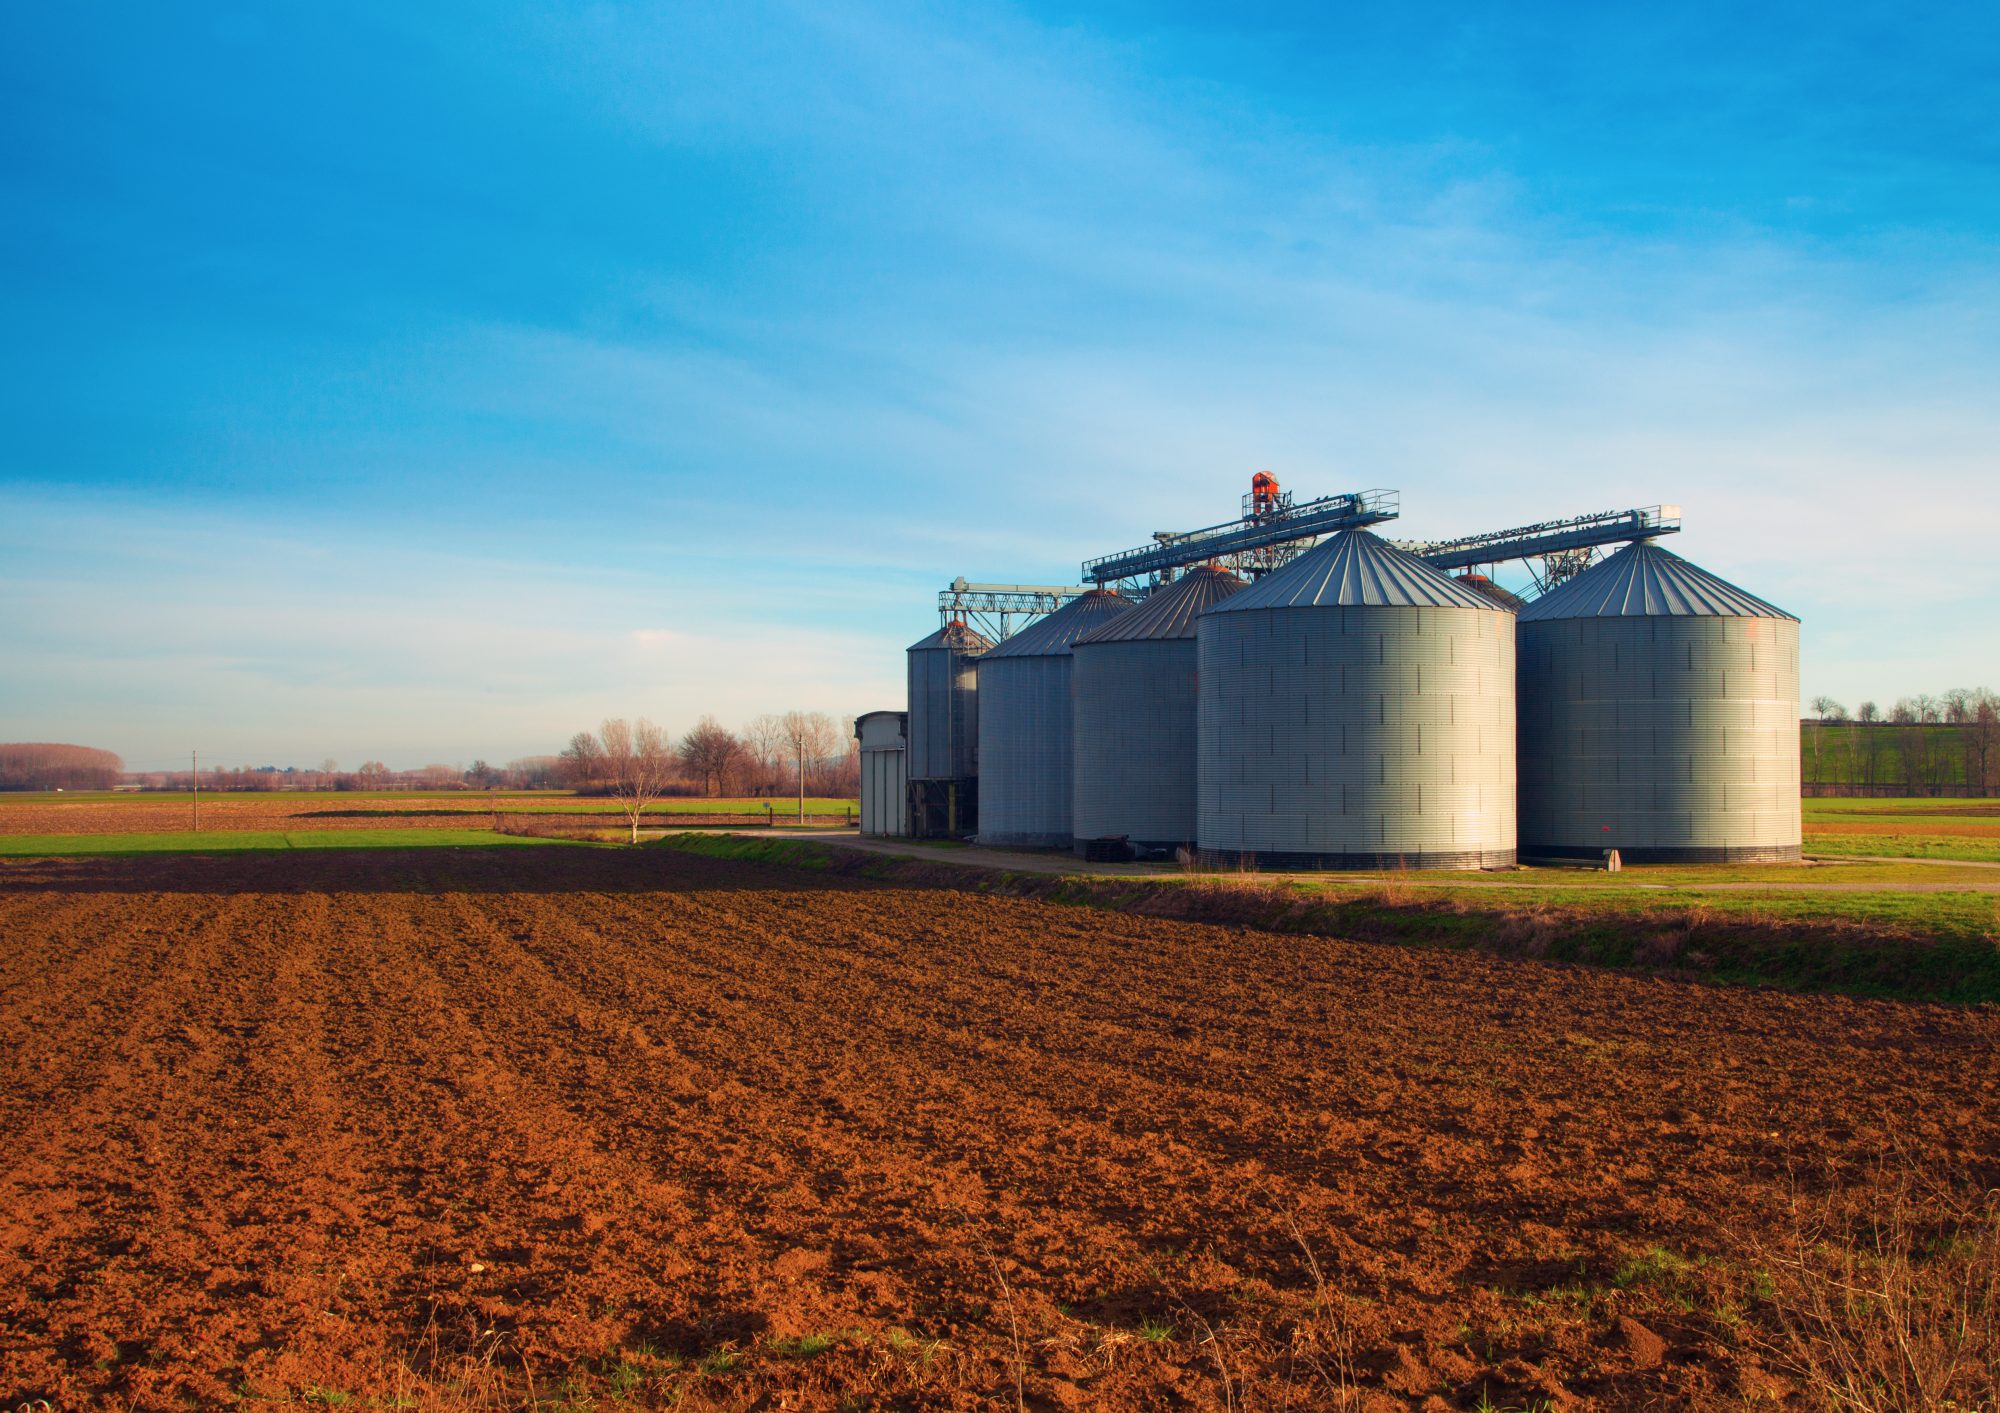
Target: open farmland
<point>105,813</point>
<point>638,1128</point>
<point>1958,829</point>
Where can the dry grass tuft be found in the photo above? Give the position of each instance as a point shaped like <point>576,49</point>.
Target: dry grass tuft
<point>1323,1341</point>
<point>1887,1299</point>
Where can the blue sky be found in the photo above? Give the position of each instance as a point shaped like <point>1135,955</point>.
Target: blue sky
<point>430,382</point>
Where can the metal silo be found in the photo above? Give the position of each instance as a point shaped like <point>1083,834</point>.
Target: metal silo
<point>944,714</point>
<point>1135,717</point>
<point>1659,717</point>
<point>1025,726</point>
<point>1357,711</point>
<point>943,747</point>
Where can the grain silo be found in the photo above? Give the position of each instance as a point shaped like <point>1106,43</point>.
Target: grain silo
<point>1135,717</point>
<point>1026,727</point>
<point>1659,717</point>
<point>1357,711</point>
<point>944,712</point>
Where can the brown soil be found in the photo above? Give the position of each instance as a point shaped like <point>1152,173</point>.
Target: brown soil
<point>1860,826</point>
<point>354,1125</point>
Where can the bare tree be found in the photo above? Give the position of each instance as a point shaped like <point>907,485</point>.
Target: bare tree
<point>534,772</point>
<point>767,746</point>
<point>1930,711</point>
<point>582,760</point>
<point>636,762</point>
<point>372,775</point>
<point>1820,706</point>
<point>1982,741</point>
<point>817,750</point>
<point>847,782</point>
<point>708,752</point>
<point>1868,713</point>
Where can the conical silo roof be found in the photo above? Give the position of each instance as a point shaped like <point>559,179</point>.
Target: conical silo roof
<point>1052,636</point>
<point>955,636</point>
<point>1169,612</point>
<point>1356,569</point>
<point>1644,581</point>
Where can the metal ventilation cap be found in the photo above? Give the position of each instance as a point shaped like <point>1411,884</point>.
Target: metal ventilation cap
<point>1052,636</point>
<point>1170,612</point>
<point>1644,581</point>
<point>1356,569</point>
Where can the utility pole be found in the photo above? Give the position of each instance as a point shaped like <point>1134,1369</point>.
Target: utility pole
<point>194,778</point>
<point>801,739</point>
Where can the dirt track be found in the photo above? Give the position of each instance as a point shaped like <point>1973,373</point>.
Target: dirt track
<point>338,1121</point>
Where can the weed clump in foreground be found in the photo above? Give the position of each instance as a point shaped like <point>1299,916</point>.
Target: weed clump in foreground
<point>1889,1298</point>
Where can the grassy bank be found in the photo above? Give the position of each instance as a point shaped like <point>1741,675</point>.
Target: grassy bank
<point>1935,946</point>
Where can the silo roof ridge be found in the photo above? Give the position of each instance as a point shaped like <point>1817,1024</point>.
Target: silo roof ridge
<point>1357,569</point>
<point>1169,612</point>
<point>1053,635</point>
<point>1644,580</point>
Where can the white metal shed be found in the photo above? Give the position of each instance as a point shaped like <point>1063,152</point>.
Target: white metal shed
<point>885,772</point>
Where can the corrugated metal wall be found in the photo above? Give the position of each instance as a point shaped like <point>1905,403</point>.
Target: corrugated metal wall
<point>944,713</point>
<point>1671,739</point>
<point>885,793</point>
<point>1135,741</point>
<point>1357,736</point>
<point>1025,768</point>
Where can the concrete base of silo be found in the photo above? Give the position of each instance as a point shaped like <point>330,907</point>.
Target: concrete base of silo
<point>1674,853</point>
<point>1138,848</point>
<point>1063,842</point>
<point>1464,860</point>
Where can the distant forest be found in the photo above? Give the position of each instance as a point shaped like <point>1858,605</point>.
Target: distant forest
<point>1944,745</point>
<point>766,758</point>
<point>47,765</point>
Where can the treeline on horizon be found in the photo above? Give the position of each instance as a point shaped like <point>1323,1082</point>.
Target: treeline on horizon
<point>1947,744</point>
<point>50,765</point>
<point>764,758</point>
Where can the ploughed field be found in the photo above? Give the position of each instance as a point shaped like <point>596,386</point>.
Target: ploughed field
<point>636,1128</point>
<point>51,815</point>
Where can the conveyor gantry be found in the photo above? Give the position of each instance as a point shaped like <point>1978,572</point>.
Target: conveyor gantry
<point>1563,546</point>
<point>992,608</point>
<point>1286,525</point>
